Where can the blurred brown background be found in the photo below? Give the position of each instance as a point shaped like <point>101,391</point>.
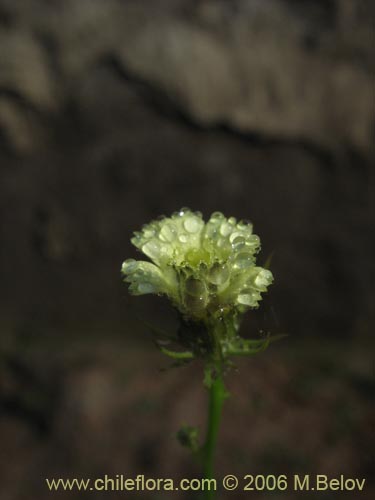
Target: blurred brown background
<point>113,112</point>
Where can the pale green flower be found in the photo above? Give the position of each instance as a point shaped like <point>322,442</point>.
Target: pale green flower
<point>206,269</point>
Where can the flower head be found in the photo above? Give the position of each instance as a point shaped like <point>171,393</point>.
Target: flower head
<point>206,269</point>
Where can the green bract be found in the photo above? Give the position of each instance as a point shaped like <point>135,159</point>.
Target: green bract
<point>208,270</point>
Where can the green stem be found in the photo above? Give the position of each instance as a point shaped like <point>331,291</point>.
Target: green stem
<point>216,400</point>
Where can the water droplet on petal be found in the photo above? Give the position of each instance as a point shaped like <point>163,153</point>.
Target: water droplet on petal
<point>148,232</point>
<point>183,211</point>
<point>207,244</point>
<point>263,279</point>
<point>218,274</point>
<point>194,287</point>
<point>238,243</point>
<point>225,229</point>
<point>168,232</point>
<point>235,235</point>
<point>183,238</point>
<point>216,217</point>
<point>246,299</point>
<point>211,230</point>
<point>195,297</point>
<point>243,260</point>
<point>253,241</point>
<point>152,249</point>
<point>221,243</point>
<point>192,224</point>
<point>129,266</point>
<point>244,224</point>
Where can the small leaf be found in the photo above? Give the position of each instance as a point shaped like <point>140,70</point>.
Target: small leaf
<point>188,438</point>
<point>157,331</point>
<point>267,264</point>
<point>208,376</point>
<point>180,355</point>
<point>247,347</point>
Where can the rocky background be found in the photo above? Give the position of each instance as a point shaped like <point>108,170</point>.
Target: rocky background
<point>113,112</point>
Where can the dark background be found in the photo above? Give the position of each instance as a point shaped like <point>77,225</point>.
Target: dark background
<point>115,112</point>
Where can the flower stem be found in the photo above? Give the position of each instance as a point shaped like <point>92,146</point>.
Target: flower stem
<point>216,400</point>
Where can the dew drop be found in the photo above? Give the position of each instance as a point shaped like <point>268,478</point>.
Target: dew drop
<point>245,299</point>
<point>151,249</point>
<point>183,211</point>
<point>244,224</point>
<point>225,229</point>
<point>168,232</point>
<point>148,232</point>
<point>235,235</point>
<point>216,217</point>
<point>192,224</point>
<point>238,240</point>
<point>253,241</point>
<point>263,279</point>
<point>129,266</point>
<point>207,245</point>
<point>243,260</point>
<point>221,243</point>
<point>183,238</point>
<point>211,231</point>
<point>195,287</point>
<point>218,274</point>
